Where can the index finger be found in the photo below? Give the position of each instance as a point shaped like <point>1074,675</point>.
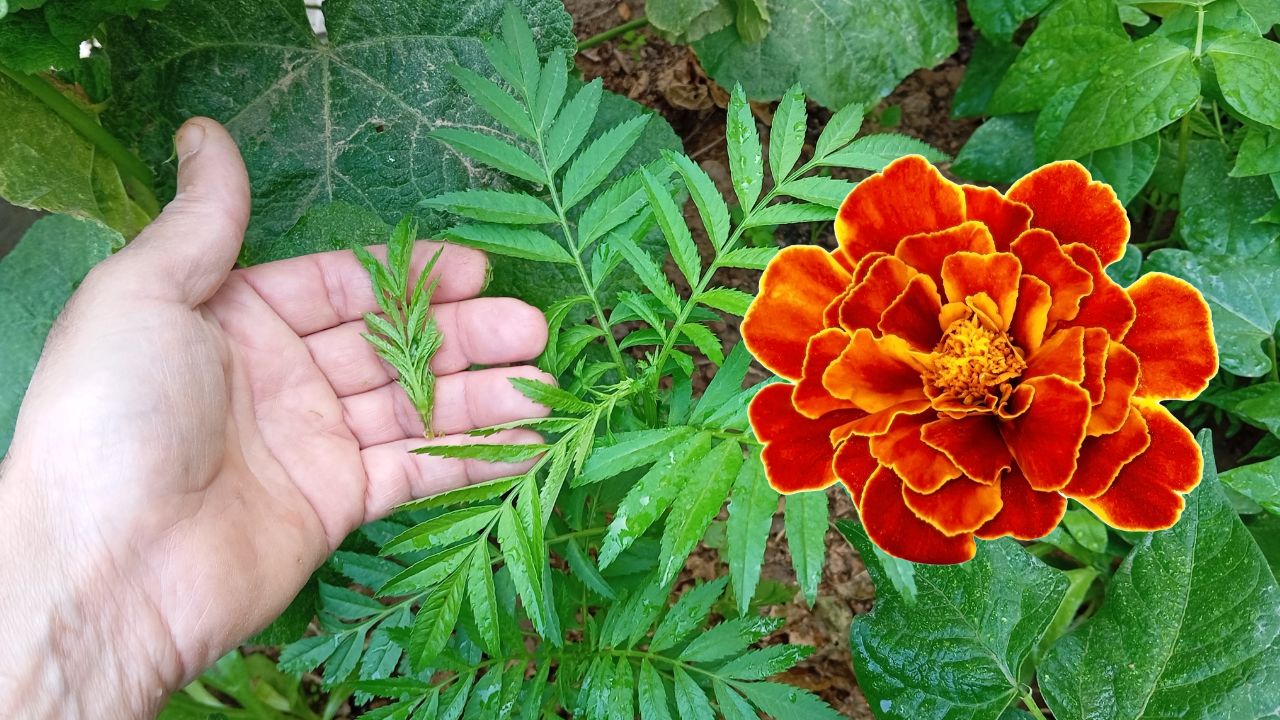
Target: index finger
<point>317,292</point>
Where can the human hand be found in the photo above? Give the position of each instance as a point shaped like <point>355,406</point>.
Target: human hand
<point>197,440</point>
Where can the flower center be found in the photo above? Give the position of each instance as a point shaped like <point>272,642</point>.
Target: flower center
<point>971,359</point>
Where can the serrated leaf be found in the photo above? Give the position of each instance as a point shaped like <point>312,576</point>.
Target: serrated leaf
<point>368,570</point>
<point>688,614</point>
<point>622,694</point>
<point>1164,640</point>
<point>1248,70</point>
<point>479,492</point>
<point>726,384</point>
<point>840,129</point>
<point>482,598</point>
<point>551,88</point>
<point>827,191</point>
<point>347,604</point>
<point>730,300</point>
<point>647,270</point>
<point>785,701</point>
<point>518,242</point>
<point>746,157</point>
<point>307,653</point>
<point>706,197</point>
<point>571,126</point>
<point>651,496</point>
<point>652,693</point>
<point>496,153</point>
<point>691,702</point>
<point>874,152</point>
<point>671,222</point>
<point>900,573</point>
<point>495,206</point>
<point>589,169</point>
<point>526,569</point>
<point>550,396</point>
<point>441,530</point>
<point>960,647</point>
<point>731,704</point>
<point>748,258</point>
<point>632,450</point>
<point>751,510</point>
<point>485,452</point>
<point>706,341</point>
<point>786,134</point>
<point>805,516</point>
<point>427,572</point>
<point>342,663</point>
<point>585,570</point>
<point>729,639</point>
<point>765,662</point>
<point>494,100</point>
<point>700,501</point>
<point>436,619</point>
<point>787,213</point>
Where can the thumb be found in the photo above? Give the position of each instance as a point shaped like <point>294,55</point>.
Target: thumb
<point>187,252</point>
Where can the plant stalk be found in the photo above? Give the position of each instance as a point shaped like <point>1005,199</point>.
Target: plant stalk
<point>137,177</point>
<point>1032,706</point>
<point>612,33</point>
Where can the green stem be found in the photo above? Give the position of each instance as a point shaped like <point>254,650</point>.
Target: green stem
<point>612,33</point>
<point>1184,143</point>
<point>1032,706</point>
<point>1271,350</point>
<point>136,176</point>
<point>1199,30</point>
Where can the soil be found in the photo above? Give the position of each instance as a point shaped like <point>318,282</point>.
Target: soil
<point>668,79</point>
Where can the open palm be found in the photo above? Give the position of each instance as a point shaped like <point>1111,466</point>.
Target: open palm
<point>212,435</point>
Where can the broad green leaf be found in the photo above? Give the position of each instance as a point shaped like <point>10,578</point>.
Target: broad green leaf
<point>573,124</point>
<point>999,19</point>
<point>1126,168</point>
<point>1260,482</point>
<point>706,197</point>
<point>699,501</point>
<point>787,213</point>
<point>1259,152</point>
<point>729,639</point>
<point>1087,530</point>
<point>958,650</point>
<point>589,169</point>
<point>652,494</point>
<point>1243,295</point>
<point>671,222</point>
<point>632,450</point>
<point>522,560</point>
<point>874,152</point>
<point>1063,51</point>
<point>652,691</point>
<point>482,598</point>
<point>689,613</point>
<point>988,62</point>
<point>436,619</point>
<point>1000,151</point>
<point>1189,627</point>
<point>787,701</point>
<point>517,242</point>
<point>1248,70</point>
<point>36,278</point>
<point>495,206</point>
<point>751,510</point>
<point>47,165</point>
<point>1079,581</point>
<point>734,302</point>
<point>806,524</point>
<point>1143,88</point>
<point>820,190</point>
<point>746,156</point>
<point>495,101</point>
<point>786,134</point>
<point>1128,268</point>
<point>691,702</point>
<point>1218,212</point>
<point>688,20</point>
<point>839,51</point>
<point>752,20</point>
<point>441,530</point>
<point>337,225</point>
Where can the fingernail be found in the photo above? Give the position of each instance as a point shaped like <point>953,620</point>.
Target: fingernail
<point>190,138</point>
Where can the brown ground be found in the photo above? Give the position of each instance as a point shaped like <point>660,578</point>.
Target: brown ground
<point>668,79</point>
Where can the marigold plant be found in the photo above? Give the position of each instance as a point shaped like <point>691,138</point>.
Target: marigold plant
<point>963,364</point>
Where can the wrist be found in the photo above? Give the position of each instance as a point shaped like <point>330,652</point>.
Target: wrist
<point>75,641</point>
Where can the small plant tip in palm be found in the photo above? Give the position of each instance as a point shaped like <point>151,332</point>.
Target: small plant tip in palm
<point>404,333</point>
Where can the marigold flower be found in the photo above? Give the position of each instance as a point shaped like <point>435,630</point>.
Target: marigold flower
<point>963,365</point>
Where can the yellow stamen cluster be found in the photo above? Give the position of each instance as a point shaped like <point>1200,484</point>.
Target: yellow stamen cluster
<point>973,358</point>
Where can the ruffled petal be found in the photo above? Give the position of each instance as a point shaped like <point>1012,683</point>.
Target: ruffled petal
<point>1068,283</point>
<point>913,315</point>
<point>1028,514</point>
<point>1119,381</point>
<point>1148,493</point>
<point>908,197</point>
<point>965,274</point>
<point>1172,337</point>
<point>926,252</point>
<point>897,530</point>
<point>853,464</point>
<point>875,373</point>
<point>1096,342</point>
<point>1062,354</point>
<point>1067,202</point>
<point>867,301</point>
<point>810,397</point>
<point>901,448</point>
<point>1005,218</point>
<point>1031,317</point>
<point>973,443</point>
<point>1045,440</point>
<point>1108,306</point>
<point>959,507</point>
<point>1102,457</point>
<point>877,423</point>
<point>795,288</point>
<point>797,452</point>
